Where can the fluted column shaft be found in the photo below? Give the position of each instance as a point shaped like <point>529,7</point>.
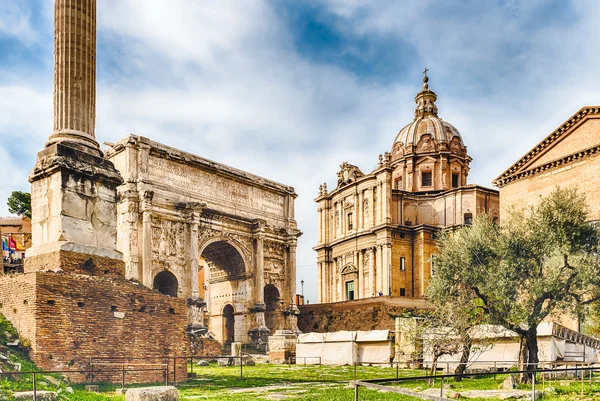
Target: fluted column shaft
<point>194,254</point>
<point>74,72</point>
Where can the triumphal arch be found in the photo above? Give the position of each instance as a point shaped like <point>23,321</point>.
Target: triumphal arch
<point>220,237</point>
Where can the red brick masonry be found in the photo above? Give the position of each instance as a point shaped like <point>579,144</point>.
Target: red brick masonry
<point>69,318</point>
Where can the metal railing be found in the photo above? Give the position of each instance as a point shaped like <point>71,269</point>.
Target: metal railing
<point>121,371</point>
<point>375,384</point>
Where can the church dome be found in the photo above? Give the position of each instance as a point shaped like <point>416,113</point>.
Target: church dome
<point>427,132</point>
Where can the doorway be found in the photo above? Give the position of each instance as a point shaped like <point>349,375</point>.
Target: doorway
<point>228,324</point>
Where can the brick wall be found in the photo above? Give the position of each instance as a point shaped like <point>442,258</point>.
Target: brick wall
<point>70,318</point>
<point>17,303</point>
<point>364,314</point>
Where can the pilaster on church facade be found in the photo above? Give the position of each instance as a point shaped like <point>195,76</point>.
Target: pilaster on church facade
<point>387,219</point>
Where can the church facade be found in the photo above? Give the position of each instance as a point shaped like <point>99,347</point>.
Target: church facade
<point>377,231</point>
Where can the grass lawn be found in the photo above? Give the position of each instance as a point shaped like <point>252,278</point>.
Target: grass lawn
<point>274,382</point>
<point>308,383</point>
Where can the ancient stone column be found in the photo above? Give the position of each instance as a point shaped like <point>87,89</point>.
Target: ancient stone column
<point>73,188</point>
<point>147,238</point>
<point>74,72</point>
<point>259,289</point>
<point>292,262</point>
<point>194,217</point>
<point>259,331</point>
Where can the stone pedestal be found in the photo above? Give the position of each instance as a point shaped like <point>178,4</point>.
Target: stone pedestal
<point>73,202</point>
<point>282,346</point>
<point>195,313</point>
<point>259,333</point>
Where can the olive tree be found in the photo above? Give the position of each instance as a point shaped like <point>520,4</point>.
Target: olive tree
<point>541,261</point>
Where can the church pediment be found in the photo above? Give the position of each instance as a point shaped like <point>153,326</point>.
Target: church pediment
<point>577,137</point>
<point>349,269</point>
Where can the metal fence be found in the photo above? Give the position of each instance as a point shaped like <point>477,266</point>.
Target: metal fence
<point>122,371</point>
<point>383,384</point>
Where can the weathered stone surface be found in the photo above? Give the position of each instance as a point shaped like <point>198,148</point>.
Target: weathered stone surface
<point>363,314</point>
<point>40,395</point>
<point>224,361</point>
<point>92,388</point>
<point>509,383</point>
<point>282,345</point>
<point>161,393</point>
<point>80,307</point>
<point>203,362</point>
<point>242,231</point>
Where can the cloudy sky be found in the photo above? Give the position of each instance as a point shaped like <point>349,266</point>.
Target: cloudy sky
<point>288,90</point>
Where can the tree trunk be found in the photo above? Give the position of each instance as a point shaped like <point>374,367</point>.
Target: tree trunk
<point>531,354</point>
<point>532,349</point>
<point>523,358</point>
<point>464,358</point>
<point>432,372</point>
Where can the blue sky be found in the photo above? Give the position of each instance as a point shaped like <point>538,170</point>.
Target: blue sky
<point>289,90</point>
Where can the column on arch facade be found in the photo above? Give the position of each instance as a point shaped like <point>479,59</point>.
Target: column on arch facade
<point>147,238</point>
<point>258,331</point>
<point>194,257</point>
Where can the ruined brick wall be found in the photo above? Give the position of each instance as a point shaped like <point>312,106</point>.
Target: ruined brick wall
<point>205,346</point>
<point>72,318</point>
<point>363,314</point>
<point>17,303</point>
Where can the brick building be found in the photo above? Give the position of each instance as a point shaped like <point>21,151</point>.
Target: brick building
<point>569,156</point>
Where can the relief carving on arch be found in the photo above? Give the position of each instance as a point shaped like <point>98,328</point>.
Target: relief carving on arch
<point>168,241</point>
<point>274,257</point>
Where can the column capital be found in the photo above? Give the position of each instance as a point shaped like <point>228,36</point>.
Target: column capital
<point>147,197</point>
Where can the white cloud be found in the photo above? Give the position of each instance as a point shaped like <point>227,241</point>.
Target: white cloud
<point>223,80</point>
<point>15,21</point>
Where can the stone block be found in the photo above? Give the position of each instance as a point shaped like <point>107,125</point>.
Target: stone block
<point>203,363</point>
<point>509,383</point>
<point>92,388</point>
<point>160,393</point>
<point>40,395</point>
<point>224,362</point>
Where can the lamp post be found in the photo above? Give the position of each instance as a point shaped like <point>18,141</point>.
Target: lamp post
<point>302,285</point>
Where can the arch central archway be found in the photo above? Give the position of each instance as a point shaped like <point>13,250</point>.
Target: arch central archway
<point>166,283</point>
<point>224,261</point>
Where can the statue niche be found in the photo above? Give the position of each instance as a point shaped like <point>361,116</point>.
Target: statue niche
<point>426,144</point>
<point>455,146</point>
<point>398,150</point>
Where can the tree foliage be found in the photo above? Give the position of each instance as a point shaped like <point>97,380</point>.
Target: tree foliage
<point>541,261</point>
<point>19,203</point>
